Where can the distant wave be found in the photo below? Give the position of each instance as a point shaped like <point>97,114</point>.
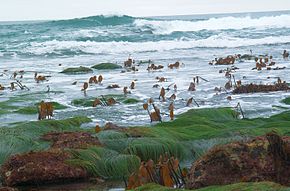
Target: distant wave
<point>91,47</point>
<point>167,27</point>
<point>99,20</point>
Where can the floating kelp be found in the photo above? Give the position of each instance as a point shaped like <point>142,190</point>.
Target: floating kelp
<point>78,70</point>
<point>106,66</point>
<point>253,88</point>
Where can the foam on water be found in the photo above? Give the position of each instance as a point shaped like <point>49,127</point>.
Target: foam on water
<point>91,47</point>
<point>237,23</point>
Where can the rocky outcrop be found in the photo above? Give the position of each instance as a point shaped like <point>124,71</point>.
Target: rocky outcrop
<point>253,88</point>
<point>262,159</point>
<point>40,168</point>
<point>75,140</point>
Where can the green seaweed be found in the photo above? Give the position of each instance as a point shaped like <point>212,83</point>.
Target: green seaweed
<point>130,101</point>
<point>105,163</point>
<point>88,102</point>
<point>106,66</point>
<point>78,70</point>
<point>245,186</point>
<point>25,136</point>
<point>286,101</point>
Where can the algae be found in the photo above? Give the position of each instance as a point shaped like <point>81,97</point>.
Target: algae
<point>106,66</point>
<point>78,70</point>
<point>247,186</point>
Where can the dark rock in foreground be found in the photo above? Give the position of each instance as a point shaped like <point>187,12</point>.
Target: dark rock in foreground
<point>8,189</point>
<point>253,88</point>
<point>40,168</point>
<point>251,161</point>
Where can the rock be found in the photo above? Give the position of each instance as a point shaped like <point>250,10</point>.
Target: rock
<point>75,140</point>
<point>106,66</point>
<point>78,70</point>
<point>252,88</point>
<point>8,189</point>
<point>239,162</point>
<point>248,57</point>
<point>40,168</point>
<point>111,126</point>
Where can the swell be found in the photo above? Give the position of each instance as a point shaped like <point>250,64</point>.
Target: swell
<point>223,23</point>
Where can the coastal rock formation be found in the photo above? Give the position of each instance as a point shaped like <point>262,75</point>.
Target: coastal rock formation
<point>75,140</point>
<point>261,159</point>
<point>252,88</point>
<point>40,167</point>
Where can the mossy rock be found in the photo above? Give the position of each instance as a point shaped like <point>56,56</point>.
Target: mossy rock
<point>78,70</point>
<point>245,186</point>
<point>106,66</point>
<point>88,102</point>
<point>83,102</point>
<point>130,101</point>
<point>33,109</point>
<point>286,101</point>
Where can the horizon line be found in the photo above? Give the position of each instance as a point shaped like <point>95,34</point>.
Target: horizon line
<point>156,16</point>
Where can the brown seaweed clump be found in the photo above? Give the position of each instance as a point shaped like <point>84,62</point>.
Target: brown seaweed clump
<point>261,159</point>
<point>74,140</point>
<point>253,88</point>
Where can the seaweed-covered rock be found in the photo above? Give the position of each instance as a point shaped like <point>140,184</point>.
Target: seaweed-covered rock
<point>78,70</point>
<point>241,162</point>
<point>8,189</point>
<point>248,57</point>
<point>40,168</point>
<point>75,140</point>
<point>252,88</point>
<point>106,66</point>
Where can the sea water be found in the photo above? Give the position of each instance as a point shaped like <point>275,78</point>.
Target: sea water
<point>48,47</point>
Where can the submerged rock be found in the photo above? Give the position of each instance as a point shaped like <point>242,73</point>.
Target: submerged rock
<point>252,88</point>
<point>75,140</point>
<point>106,66</point>
<point>250,161</point>
<point>40,168</point>
<point>8,189</point>
<point>78,70</point>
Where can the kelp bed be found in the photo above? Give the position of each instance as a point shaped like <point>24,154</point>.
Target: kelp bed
<point>120,153</point>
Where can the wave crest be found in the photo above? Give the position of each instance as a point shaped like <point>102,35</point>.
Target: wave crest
<point>91,47</point>
<point>223,23</point>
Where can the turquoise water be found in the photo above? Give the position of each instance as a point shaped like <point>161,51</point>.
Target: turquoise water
<point>42,45</point>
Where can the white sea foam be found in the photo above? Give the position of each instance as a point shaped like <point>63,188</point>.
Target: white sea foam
<point>167,27</point>
<point>216,41</point>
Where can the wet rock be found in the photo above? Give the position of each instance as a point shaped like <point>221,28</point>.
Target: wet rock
<point>240,162</point>
<point>78,70</point>
<point>40,168</point>
<point>111,126</point>
<point>106,66</point>
<point>248,57</point>
<point>8,189</point>
<point>252,88</point>
<point>74,140</point>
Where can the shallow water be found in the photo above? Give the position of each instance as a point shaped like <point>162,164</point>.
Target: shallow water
<point>42,46</point>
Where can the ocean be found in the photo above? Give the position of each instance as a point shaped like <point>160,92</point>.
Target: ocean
<point>48,47</point>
